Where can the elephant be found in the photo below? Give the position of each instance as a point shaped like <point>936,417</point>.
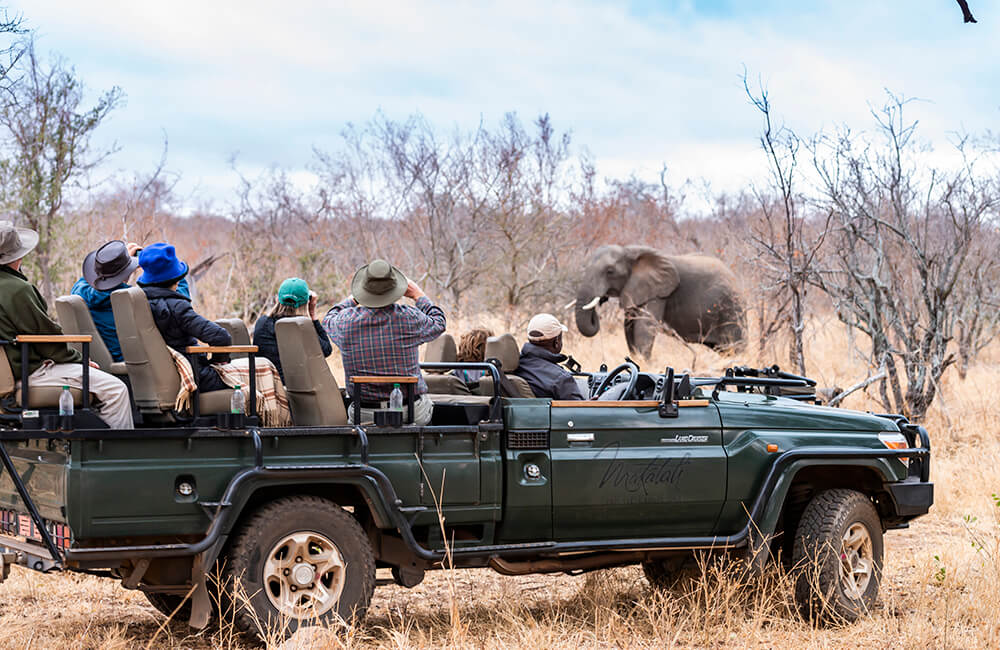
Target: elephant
<point>695,295</point>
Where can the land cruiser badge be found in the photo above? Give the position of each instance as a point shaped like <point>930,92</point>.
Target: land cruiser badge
<point>683,440</point>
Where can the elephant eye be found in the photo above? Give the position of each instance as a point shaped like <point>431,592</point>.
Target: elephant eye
<point>610,271</point>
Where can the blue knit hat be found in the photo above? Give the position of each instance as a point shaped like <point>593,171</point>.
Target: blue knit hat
<point>160,264</point>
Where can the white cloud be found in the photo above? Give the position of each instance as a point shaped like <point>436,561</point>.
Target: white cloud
<point>272,80</point>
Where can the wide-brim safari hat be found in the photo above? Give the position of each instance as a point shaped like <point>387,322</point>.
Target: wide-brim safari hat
<point>378,284</point>
<point>15,242</point>
<point>109,266</point>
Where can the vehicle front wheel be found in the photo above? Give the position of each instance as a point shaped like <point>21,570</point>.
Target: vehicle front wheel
<point>837,557</point>
<point>299,561</point>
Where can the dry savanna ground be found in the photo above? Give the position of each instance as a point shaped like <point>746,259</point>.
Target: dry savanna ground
<point>939,588</point>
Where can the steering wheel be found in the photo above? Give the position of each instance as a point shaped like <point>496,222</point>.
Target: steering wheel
<point>630,386</point>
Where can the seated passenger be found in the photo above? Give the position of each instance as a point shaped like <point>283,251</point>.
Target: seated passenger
<point>540,359</point>
<point>294,299</point>
<point>178,322</point>
<point>378,337</point>
<point>472,349</point>
<point>105,270</point>
<point>23,311</point>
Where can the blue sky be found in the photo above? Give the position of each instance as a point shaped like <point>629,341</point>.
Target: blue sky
<point>638,84</point>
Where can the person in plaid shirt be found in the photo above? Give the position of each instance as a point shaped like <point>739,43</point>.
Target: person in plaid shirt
<point>376,336</point>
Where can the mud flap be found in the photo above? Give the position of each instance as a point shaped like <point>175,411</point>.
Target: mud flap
<point>201,604</point>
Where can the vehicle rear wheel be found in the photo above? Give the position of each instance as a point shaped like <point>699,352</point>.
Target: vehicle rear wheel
<point>837,557</point>
<point>670,572</point>
<point>299,561</point>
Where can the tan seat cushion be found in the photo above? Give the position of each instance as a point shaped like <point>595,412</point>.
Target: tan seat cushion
<point>216,401</point>
<point>523,389</point>
<point>458,400</point>
<point>446,384</point>
<point>118,368</point>
<point>48,396</point>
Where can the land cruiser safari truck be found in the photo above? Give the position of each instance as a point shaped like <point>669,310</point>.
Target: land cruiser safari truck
<point>297,520</point>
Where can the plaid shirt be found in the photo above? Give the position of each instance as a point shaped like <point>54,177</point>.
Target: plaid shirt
<point>383,341</point>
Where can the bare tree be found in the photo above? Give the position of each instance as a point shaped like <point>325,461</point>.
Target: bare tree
<point>905,236</point>
<point>47,149</point>
<point>786,243</point>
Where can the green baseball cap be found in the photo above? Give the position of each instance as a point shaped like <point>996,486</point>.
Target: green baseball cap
<point>293,292</point>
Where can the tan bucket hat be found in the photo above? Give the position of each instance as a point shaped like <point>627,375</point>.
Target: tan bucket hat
<point>378,284</point>
<point>15,242</point>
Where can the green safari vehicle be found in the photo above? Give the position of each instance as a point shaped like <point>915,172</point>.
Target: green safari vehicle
<point>295,521</point>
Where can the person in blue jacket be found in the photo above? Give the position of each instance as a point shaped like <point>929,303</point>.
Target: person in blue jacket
<point>179,324</point>
<point>105,270</point>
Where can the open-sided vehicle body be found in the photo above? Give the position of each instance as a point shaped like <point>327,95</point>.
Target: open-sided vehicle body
<point>299,518</point>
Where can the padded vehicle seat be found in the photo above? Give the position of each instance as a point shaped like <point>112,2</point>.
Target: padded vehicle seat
<point>75,318</point>
<point>40,396</point>
<point>238,331</point>
<point>151,369</point>
<point>442,382</point>
<point>313,395</point>
<point>505,349</point>
<point>442,349</point>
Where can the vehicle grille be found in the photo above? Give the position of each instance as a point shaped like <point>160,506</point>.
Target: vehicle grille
<point>537,439</point>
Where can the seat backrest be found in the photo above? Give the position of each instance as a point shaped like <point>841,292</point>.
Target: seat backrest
<point>505,349</point>
<point>74,317</point>
<point>150,366</point>
<point>7,383</point>
<point>441,350</point>
<point>313,394</point>
<point>238,331</point>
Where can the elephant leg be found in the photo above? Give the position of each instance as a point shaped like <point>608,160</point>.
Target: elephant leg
<point>640,332</point>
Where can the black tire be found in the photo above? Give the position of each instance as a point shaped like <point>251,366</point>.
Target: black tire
<point>167,603</point>
<point>671,572</point>
<point>257,544</point>
<point>826,564</point>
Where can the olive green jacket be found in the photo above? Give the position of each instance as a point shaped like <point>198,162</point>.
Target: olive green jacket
<point>23,311</point>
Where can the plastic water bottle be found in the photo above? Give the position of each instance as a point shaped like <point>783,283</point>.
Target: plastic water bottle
<point>238,401</point>
<point>396,399</point>
<point>65,402</point>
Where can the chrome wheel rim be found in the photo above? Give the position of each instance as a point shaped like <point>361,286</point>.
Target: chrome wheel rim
<point>857,560</point>
<point>304,575</point>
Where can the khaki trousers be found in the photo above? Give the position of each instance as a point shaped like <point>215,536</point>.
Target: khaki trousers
<point>110,391</point>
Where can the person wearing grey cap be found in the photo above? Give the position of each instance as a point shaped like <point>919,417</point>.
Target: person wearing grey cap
<point>540,359</point>
<point>23,311</point>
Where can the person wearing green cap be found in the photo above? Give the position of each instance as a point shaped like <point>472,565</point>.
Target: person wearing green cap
<point>294,299</point>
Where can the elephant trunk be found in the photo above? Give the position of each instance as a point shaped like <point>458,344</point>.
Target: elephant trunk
<point>587,320</point>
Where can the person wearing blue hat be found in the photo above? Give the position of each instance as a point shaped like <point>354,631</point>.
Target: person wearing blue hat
<point>106,270</point>
<point>179,324</point>
<point>294,299</point>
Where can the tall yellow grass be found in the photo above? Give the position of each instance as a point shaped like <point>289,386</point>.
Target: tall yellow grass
<point>940,587</point>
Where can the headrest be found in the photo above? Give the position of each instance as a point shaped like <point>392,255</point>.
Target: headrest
<point>441,350</point>
<point>504,348</point>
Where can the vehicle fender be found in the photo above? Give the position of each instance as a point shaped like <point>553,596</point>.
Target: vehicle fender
<point>374,499</point>
<point>772,511</point>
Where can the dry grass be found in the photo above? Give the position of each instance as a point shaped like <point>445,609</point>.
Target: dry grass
<point>939,588</point>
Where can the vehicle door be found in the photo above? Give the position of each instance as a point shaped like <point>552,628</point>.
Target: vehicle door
<point>621,470</point>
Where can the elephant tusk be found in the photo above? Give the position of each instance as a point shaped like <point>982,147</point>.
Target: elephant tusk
<point>593,303</point>
<point>569,304</point>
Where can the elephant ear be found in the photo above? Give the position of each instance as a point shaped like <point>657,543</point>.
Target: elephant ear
<point>653,276</point>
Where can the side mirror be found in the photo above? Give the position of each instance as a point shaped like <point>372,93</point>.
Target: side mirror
<point>667,408</point>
